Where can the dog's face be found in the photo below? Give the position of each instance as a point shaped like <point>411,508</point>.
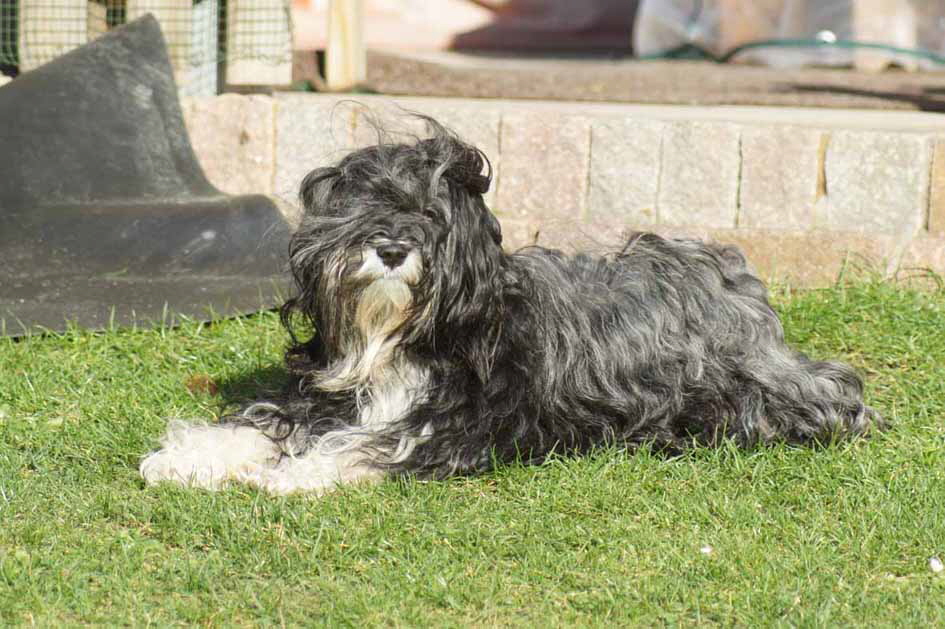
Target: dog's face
<point>396,237</point>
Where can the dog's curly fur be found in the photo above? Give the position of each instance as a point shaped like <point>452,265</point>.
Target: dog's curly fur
<point>419,346</point>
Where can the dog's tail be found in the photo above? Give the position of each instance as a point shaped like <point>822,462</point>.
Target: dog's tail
<point>843,396</point>
<point>820,402</point>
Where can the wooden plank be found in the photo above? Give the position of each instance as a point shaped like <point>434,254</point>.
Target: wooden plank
<point>346,56</point>
<point>45,32</point>
<point>258,43</point>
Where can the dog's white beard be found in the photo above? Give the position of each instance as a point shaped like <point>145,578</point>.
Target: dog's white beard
<point>385,384</point>
<point>370,345</point>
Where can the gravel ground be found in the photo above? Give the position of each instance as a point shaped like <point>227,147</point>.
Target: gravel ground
<point>603,78</point>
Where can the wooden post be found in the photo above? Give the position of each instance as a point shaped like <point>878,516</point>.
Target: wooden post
<point>346,57</point>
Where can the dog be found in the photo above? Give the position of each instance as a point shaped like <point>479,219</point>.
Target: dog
<point>418,346</point>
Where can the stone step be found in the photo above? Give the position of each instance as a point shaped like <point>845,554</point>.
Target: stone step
<point>803,191</point>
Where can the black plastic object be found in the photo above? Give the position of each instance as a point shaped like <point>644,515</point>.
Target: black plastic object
<point>106,218</point>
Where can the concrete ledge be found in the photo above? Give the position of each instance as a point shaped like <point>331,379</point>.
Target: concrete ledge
<point>801,191</point>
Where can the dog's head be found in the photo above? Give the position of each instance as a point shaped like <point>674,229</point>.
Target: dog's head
<point>396,238</point>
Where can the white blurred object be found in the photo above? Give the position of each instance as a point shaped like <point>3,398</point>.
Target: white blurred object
<point>893,21</point>
<point>720,26</point>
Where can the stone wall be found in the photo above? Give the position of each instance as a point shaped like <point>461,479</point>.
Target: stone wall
<point>804,192</point>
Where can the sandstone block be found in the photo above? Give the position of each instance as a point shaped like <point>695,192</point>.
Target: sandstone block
<point>598,236</point>
<point>877,182</point>
<point>813,258</point>
<point>234,139</point>
<point>779,177</point>
<point>310,133</point>
<point>544,165</point>
<point>936,218</point>
<point>800,258</point>
<point>699,174</point>
<point>518,233</point>
<point>924,253</point>
<point>625,170</point>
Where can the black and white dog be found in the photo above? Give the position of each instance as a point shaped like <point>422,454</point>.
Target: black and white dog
<point>419,346</point>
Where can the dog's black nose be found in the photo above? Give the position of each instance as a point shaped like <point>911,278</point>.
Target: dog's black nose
<point>392,254</point>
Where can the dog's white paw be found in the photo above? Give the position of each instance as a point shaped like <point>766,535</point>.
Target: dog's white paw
<point>189,471</point>
<point>278,482</point>
<point>314,473</point>
<point>200,455</point>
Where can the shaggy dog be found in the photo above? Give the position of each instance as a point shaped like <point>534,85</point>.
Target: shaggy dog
<point>419,346</point>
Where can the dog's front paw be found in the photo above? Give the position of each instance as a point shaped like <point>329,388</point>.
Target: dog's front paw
<point>282,481</point>
<point>189,471</point>
<point>198,455</point>
<point>314,474</point>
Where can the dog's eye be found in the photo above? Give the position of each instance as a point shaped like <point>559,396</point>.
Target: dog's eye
<point>430,214</point>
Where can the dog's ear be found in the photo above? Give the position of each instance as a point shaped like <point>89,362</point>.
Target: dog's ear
<point>492,225</point>
<point>315,187</point>
<point>468,286</point>
<point>466,168</point>
<point>467,186</point>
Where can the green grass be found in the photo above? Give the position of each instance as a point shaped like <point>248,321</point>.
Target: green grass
<point>828,537</point>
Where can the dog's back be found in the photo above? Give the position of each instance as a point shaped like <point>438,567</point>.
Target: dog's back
<point>675,342</point>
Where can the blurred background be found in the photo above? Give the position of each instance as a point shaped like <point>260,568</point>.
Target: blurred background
<point>246,45</point>
<point>808,132</point>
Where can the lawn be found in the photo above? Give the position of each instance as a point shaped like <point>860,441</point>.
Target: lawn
<point>778,536</point>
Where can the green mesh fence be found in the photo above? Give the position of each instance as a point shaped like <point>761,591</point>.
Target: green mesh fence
<point>210,42</point>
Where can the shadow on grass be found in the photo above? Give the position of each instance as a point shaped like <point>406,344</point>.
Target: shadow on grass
<point>264,383</point>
